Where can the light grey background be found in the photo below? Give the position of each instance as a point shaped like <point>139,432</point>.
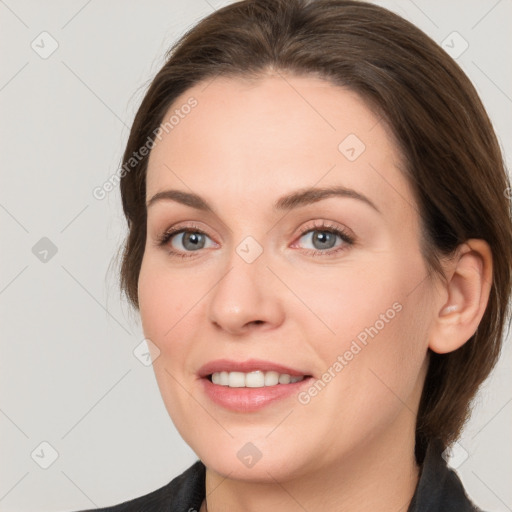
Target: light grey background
<point>68,375</point>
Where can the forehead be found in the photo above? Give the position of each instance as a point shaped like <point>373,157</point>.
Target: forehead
<point>257,138</point>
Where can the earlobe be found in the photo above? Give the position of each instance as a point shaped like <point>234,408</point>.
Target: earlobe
<point>468,284</point>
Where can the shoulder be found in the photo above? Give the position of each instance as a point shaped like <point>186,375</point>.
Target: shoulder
<point>183,493</point>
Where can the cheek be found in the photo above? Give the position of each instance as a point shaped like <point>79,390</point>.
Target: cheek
<point>172,309</point>
<point>164,299</point>
<point>371,381</point>
<point>344,302</point>
<point>165,302</point>
<point>370,326</point>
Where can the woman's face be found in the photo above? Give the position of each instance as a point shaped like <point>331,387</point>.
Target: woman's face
<point>277,274</point>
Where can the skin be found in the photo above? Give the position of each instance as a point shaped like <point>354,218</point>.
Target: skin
<point>241,148</point>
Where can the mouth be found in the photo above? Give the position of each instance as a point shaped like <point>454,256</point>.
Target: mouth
<point>254,379</point>
<point>251,385</point>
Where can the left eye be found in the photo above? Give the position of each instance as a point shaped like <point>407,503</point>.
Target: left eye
<point>322,239</point>
<point>190,240</point>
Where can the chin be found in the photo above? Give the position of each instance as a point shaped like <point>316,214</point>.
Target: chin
<point>266,470</point>
<point>250,457</point>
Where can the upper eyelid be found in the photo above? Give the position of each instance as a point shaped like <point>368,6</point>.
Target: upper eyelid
<point>322,225</point>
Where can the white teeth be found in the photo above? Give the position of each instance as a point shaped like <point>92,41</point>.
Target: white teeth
<point>255,379</point>
<point>284,378</point>
<point>236,380</point>
<point>271,378</point>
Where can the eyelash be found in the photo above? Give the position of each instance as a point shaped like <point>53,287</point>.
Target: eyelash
<point>348,239</point>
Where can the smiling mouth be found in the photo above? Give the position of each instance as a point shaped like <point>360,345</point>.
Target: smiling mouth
<point>254,379</point>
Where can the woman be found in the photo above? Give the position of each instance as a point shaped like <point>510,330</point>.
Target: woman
<point>320,250</point>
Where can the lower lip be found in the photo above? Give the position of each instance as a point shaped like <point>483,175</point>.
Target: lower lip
<point>250,399</point>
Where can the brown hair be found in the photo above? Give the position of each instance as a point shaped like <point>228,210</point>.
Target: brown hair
<point>453,159</point>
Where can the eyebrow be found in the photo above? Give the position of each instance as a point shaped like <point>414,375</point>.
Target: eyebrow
<point>296,199</point>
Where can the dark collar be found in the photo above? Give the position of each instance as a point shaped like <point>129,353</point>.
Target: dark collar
<point>439,488</point>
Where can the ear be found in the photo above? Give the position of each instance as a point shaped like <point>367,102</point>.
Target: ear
<point>467,288</point>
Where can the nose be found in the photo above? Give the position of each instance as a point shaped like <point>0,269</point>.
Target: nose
<point>248,295</point>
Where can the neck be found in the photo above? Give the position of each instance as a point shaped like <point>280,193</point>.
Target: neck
<point>378,476</point>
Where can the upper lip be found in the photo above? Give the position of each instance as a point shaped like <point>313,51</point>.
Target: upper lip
<point>250,365</point>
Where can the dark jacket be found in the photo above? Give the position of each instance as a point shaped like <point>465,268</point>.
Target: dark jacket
<point>439,490</point>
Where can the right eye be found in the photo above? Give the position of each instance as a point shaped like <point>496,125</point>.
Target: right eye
<point>184,240</point>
